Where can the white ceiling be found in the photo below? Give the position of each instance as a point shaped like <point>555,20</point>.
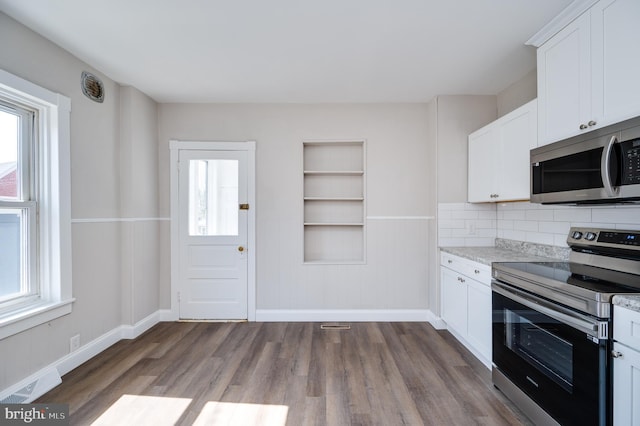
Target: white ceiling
<point>297,50</point>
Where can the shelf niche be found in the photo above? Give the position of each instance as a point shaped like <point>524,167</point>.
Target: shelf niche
<point>334,201</point>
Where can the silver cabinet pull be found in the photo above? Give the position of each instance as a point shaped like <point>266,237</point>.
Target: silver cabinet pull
<point>583,126</point>
<point>616,354</point>
<point>449,261</point>
<point>592,123</point>
<point>477,271</point>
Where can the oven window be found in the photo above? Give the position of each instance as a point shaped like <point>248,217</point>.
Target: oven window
<point>548,353</point>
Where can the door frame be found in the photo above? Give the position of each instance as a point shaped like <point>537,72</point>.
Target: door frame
<point>175,147</point>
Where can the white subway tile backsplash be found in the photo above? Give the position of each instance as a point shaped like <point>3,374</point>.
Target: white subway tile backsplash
<point>451,242</point>
<point>505,224</point>
<point>525,225</point>
<point>616,215</point>
<point>539,214</point>
<point>465,224</point>
<point>480,242</point>
<point>628,226</point>
<point>464,214</point>
<point>510,234</point>
<point>554,227</point>
<point>560,240</point>
<point>579,214</point>
<point>540,238</point>
<point>451,223</point>
<point>514,215</point>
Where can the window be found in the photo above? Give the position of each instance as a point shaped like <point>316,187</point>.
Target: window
<point>18,205</point>
<point>35,248</point>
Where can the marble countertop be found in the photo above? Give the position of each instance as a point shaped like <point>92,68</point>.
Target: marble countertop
<point>627,301</point>
<point>488,255</point>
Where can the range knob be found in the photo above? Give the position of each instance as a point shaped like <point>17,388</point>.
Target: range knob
<point>590,236</point>
<point>576,235</point>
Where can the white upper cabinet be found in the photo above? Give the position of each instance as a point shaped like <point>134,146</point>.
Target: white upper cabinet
<point>499,157</point>
<point>615,48</point>
<point>564,83</point>
<point>587,72</point>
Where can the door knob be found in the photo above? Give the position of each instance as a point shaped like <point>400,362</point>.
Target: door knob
<point>240,249</point>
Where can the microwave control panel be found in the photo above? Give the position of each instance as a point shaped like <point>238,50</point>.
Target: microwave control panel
<point>631,162</point>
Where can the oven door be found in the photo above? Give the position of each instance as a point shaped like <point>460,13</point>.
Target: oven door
<point>554,355</point>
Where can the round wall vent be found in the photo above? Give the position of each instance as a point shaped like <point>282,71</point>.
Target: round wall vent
<point>92,87</point>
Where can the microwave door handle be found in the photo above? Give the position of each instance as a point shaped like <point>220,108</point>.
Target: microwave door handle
<point>605,169</point>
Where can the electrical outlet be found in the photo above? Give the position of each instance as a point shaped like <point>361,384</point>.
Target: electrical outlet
<point>74,343</point>
<point>471,228</point>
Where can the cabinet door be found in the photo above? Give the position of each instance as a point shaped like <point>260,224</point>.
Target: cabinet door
<point>626,386</point>
<point>454,301</point>
<point>564,82</point>
<point>517,138</point>
<point>479,317</point>
<point>614,49</point>
<point>482,165</point>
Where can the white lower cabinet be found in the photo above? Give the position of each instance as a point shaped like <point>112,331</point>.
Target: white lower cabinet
<point>466,303</point>
<point>626,367</point>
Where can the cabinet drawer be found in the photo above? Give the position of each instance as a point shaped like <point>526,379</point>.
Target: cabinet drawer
<point>626,327</point>
<point>471,269</point>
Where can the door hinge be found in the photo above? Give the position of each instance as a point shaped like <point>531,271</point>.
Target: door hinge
<point>244,206</point>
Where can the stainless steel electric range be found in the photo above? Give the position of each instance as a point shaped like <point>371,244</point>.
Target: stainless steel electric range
<point>552,324</point>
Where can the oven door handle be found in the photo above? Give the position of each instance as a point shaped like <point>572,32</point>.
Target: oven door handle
<point>547,308</point>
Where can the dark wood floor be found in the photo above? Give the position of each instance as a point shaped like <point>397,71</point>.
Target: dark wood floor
<point>284,373</point>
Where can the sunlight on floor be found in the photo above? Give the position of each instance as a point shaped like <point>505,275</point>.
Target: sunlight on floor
<point>231,413</point>
<point>141,410</point>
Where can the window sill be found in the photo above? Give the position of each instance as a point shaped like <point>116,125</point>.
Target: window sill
<point>32,316</point>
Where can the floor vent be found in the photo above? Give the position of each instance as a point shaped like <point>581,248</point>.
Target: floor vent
<point>335,327</point>
<point>34,389</point>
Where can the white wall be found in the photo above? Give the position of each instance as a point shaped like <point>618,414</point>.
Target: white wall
<point>457,116</point>
<point>399,183</point>
<point>451,120</point>
<point>518,94</point>
<point>98,178</point>
<point>140,229</point>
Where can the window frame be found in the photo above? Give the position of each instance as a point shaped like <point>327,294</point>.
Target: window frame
<point>51,187</point>
<point>24,204</point>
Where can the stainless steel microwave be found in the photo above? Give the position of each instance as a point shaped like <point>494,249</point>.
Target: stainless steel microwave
<point>599,167</point>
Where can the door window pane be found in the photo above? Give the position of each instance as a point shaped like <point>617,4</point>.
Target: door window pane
<point>9,125</point>
<point>213,197</point>
<point>11,254</point>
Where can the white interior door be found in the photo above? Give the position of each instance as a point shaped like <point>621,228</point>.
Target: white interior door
<point>213,218</point>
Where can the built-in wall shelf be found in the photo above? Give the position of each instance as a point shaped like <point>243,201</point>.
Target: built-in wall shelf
<point>334,201</point>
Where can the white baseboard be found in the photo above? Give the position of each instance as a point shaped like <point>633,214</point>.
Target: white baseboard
<point>437,322</point>
<point>46,380</point>
<point>354,315</point>
<point>133,331</point>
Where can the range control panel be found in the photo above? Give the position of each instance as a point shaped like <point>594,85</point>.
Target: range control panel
<point>593,237</point>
